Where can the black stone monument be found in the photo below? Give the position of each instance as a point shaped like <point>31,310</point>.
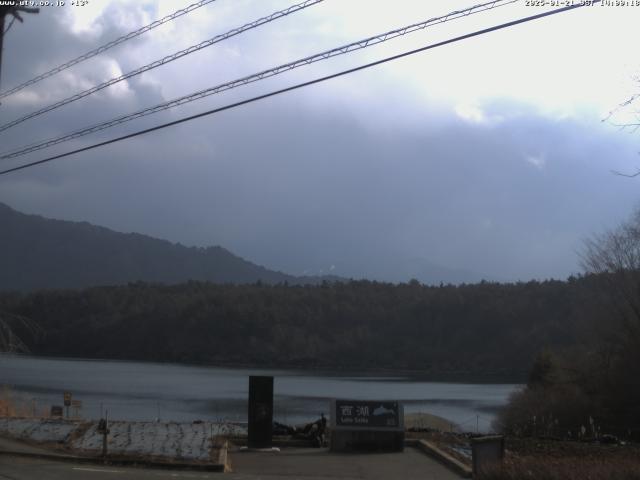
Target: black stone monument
<point>260,411</point>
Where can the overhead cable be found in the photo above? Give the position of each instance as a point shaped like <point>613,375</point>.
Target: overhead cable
<point>165,60</point>
<point>360,44</point>
<point>298,86</point>
<point>106,46</point>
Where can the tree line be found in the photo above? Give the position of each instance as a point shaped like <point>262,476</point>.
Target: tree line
<point>478,330</point>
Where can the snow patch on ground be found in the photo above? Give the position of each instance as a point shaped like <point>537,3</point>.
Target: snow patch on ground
<point>38,430</point>
<point>186,441</point>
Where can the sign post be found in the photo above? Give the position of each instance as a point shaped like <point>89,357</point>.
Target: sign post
<point>103,428</point>
<point>77,405</point>
<point>67,401</point>
<point>367,425</point>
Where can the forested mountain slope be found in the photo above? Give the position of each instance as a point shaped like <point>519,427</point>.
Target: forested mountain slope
<point>486,328</point>
<point>36,253</point>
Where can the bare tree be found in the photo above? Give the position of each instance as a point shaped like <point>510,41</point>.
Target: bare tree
<point>615,255</point>
<point>615,258</point>
<point>630,121</point>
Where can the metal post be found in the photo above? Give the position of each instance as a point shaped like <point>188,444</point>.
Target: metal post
<point>105,431</point>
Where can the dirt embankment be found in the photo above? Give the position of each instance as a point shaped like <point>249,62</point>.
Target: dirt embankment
<point>546,459</point>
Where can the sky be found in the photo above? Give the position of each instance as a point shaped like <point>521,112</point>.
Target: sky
<point>488,158</point>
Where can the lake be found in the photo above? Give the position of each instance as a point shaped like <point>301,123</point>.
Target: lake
<point>146,391</point>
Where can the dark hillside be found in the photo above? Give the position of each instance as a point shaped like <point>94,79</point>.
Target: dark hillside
<point>37,253</point>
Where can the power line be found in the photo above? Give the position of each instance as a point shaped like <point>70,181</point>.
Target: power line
<point>165,60</point>
<point>299,85</point>
<point>107,46</point>
<point>360,44</point>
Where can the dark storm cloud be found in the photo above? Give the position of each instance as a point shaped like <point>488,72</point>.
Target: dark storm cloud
<point>46,41</point>
<point>304,192</point>
<point>316,181</point>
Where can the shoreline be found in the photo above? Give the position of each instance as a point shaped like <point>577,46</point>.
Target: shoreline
<point>487,378</point>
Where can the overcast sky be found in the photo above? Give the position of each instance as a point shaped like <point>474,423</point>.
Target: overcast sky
<point>484,158</point>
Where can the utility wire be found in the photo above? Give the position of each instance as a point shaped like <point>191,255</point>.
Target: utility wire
<point>165,60</point>
<point>361,44</point>
<point>299,85</point>
<point>107,46</point>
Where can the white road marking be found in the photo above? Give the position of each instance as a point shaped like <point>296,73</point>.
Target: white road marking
<point>188,475</point>
<point>97,470</point>
<point>184,475</point>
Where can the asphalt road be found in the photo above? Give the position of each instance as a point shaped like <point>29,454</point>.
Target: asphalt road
<point>307,464</point>
<point>22,468</point>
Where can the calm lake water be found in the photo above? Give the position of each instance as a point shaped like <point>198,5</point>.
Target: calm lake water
<point>146,391</point>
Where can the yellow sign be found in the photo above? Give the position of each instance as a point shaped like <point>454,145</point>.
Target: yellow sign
<point>67,399</point>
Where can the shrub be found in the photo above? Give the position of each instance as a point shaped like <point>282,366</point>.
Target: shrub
<point>530,468</point>
<point>553,410</point>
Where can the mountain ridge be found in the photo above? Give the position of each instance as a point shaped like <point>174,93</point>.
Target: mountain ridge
<point>37,252</point>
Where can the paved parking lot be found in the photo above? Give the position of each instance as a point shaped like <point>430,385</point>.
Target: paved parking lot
<point>319,464</point>
<point>288,463</point>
